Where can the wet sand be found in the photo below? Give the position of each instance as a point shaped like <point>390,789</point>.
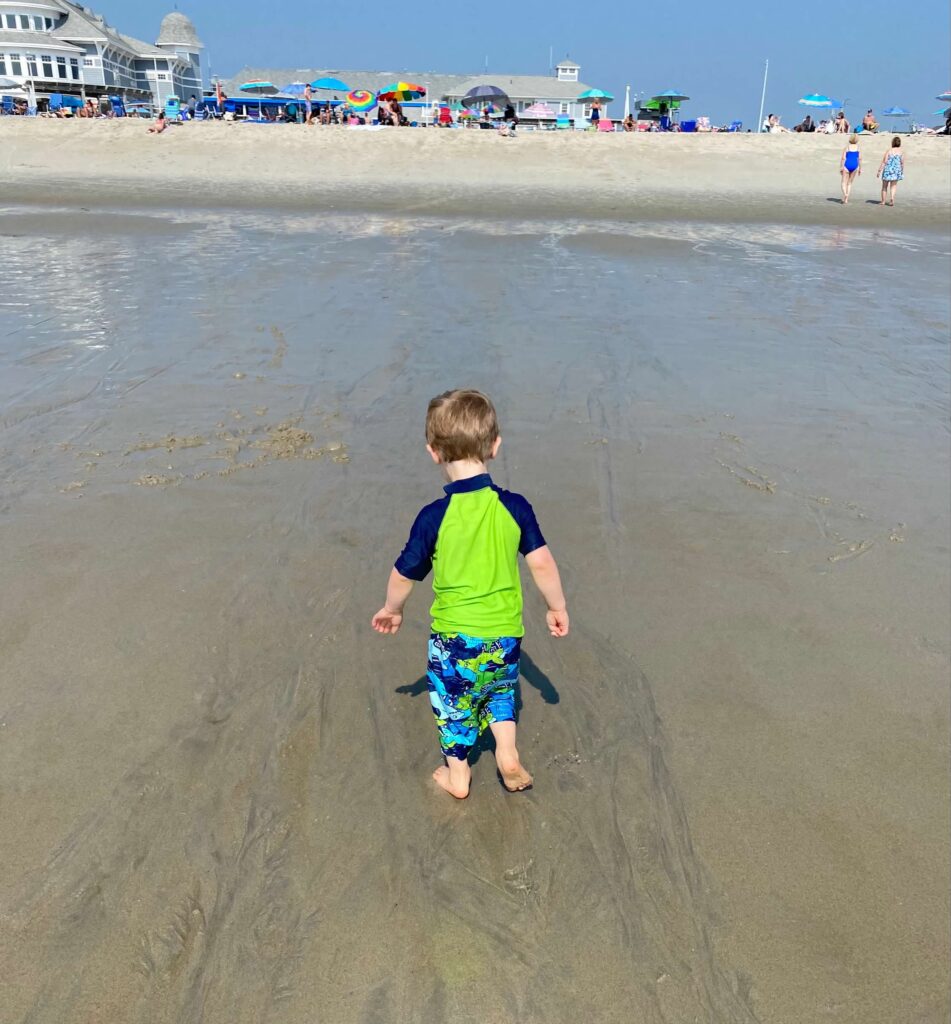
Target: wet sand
<point>216,793</point>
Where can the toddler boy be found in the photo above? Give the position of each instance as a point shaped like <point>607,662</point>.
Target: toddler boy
<point>471,539</point>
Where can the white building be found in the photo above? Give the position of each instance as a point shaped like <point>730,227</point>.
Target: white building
<point>56,46</point>
<point>559,90</point>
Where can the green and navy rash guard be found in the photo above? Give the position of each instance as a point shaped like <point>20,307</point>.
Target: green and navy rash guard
<point>471,539</point>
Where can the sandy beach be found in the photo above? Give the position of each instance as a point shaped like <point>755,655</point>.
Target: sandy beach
<point>728,401</point>
<point>629,177</point>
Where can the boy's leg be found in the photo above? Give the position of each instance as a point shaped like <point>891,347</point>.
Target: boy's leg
<point>450,697</point>
<point>498,711</point>
<point>514,776</point>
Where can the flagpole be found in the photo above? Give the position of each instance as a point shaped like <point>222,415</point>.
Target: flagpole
<point>762,101</point>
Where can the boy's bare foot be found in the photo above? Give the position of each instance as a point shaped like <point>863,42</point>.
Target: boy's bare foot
<point>457,788</point>
<point>513,775</point>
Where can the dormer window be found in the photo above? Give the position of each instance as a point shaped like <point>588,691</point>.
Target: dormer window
<point>567,71</point>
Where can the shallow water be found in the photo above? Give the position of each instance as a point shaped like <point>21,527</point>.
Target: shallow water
<point>217,796</point>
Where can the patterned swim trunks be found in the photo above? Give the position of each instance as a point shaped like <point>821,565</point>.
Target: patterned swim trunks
<point>471,685</point>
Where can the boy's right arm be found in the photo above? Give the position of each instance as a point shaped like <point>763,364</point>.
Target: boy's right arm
<point>544,570</point>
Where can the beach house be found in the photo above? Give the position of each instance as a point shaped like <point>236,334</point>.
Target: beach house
<point>560,89</point>
<point>56,46</point>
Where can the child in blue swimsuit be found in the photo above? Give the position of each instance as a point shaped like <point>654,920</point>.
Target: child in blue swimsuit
<point>850,166</point>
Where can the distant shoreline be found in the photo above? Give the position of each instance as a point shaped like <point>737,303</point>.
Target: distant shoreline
<point>622,177</point>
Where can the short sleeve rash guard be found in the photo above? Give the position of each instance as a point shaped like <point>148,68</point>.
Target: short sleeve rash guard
<point>471,540</point>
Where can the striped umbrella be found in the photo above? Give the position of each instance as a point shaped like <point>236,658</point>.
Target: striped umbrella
<point>538,110</point>
<point>360,100</point>
<point>403,92</point>
<point>945,96</point>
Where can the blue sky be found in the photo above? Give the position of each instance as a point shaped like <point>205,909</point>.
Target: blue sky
<point>875,53</point>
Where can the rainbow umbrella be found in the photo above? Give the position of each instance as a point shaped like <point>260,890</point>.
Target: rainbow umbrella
<point>403,92</point>
<point>360,100</point>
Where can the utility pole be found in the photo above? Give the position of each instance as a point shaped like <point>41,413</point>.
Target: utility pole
<point>762,100</point>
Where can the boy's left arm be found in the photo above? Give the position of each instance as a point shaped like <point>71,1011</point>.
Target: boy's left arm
<point>390,617</point>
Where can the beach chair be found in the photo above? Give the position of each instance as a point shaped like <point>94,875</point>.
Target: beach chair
<point>9,107</point>
<point>605,124</point>
<point>118,106</point>
<point>55,103</point>
<point>562,121</point>
<point>688,126</point>
<point>172,108</point>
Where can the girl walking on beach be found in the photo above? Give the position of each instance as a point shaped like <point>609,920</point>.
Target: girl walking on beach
<point>850,166</point>
<point>891,171</point>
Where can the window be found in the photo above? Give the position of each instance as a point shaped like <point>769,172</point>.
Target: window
<point>88,62</point>
<point>11,21</point>
<point>61,66</point>
<point>564,108</point>
<point>162,76</point>
<point>47,66</point>
<point>38,24</point>
<point>74,68</point>
<point>3,65</point>
<point>24,21</point>
<point>31,68</point>
<point>16,68</point>
<point>48,22</point>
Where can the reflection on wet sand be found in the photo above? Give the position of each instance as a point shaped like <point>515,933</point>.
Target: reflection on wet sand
<point>217,797</point>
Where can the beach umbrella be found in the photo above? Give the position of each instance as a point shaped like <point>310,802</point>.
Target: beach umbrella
<point>670,96</point>
<point>330,85</point>
<point>294,89</point>
<point>403,92</point>
<point>259,88</point>
<point>896,112</point>
<point>816,99</point>
<point>944,97</point>
<point>8,83</point>
<point>360,100</point>
<point>480,95</point>
<point>538,110</point>
<point>595,94</point>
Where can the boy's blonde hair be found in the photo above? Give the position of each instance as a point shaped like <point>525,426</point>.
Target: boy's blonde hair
<point>461,424</point>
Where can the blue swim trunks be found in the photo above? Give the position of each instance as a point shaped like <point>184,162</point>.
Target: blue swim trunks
<point>471,685</point>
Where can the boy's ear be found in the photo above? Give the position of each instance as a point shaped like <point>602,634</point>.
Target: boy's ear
<point>496,444</point>
<point>434,454</point>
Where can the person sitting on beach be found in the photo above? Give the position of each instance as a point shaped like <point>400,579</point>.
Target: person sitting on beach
<point>629,124</point>
<point>471,539</point>
<point>841,124</point>
<point>773,126</point>
<point>869,124</point>
<point>396,114</point>
<point>160,124</point>
<point>806,124</point>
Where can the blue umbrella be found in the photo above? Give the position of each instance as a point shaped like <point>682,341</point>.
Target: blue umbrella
<point>671,96</point>
<point>294,89</point>
<point>330,84</point>
<point>259,88</point>
<point>595,94</point>
<point>816,99</point>
<point>482,94</point>
<point>896,112</point>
